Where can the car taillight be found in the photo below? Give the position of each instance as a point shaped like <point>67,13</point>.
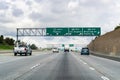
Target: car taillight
<point>25,49</point>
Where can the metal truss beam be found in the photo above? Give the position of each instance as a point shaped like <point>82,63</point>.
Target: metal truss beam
<point>31,32</point>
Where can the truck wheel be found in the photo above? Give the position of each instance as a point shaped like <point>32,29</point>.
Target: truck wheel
<point>25,54</point>
<point>30,54</point>
<point>15,54</point>
<point>20,54</point>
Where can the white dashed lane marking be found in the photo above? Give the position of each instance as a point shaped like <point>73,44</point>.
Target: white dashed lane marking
<point>91,68</point>
<point>35,66</point>
<point>104,78</point>
<point>84,63</point>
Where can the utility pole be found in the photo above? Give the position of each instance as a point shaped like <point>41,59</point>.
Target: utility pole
<point>17,38</point>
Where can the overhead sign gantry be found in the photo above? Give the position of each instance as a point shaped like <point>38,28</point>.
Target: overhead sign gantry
<point>59,31</point>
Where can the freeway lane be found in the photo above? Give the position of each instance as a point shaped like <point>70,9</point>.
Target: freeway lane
<point>107,67</point>
<point>60,66</point>
<point>63,67</point>
<point>19,65</point>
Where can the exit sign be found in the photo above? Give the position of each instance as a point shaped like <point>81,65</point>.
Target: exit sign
<point>56,31</point>
<point>63,45</point>
<point>74,31</point>
<point>91,31</point>
<point>71,45</point>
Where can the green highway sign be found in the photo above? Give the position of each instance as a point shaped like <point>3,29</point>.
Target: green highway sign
<point>63,45</point>
<point>56,31</point>
<point>71,45</point>
<point>74,31</point>
<point>91,31</point>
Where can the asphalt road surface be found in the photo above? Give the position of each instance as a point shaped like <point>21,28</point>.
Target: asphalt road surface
<point>58,66</point>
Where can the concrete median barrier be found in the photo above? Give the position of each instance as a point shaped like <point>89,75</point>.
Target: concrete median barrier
<point>116,58</point>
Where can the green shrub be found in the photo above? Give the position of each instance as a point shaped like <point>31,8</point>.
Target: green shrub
<point>117,27</point>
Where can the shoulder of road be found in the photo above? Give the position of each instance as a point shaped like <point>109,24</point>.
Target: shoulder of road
<point>116,58</point>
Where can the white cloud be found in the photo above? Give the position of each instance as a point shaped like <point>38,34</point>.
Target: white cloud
<point>73,4</point>
<point>17,12</point>
<point>83,1</point>
<point>45,13</point>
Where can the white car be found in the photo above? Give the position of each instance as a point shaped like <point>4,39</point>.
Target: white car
<point>55,50</point>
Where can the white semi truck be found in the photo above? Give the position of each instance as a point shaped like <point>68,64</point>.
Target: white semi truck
<point>66,48</point>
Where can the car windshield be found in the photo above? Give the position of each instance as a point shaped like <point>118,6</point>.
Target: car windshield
<point>22,46</point>
<point>85,49</point>
<point>55,48</point>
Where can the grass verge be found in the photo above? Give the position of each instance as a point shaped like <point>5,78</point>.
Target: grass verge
<point>6,47</point>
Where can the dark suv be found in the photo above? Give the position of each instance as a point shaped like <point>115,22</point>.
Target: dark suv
<point>66,50</point>
<point>85,51</point>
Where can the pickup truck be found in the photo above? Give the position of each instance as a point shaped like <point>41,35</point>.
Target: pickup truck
<point>22,49</point>
<point>55,50</point>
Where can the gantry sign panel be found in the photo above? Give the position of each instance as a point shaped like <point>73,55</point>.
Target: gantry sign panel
<point>75,31</point>
<point>56,31</point>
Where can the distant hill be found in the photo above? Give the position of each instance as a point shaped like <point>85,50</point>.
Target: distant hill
<point>108,43</point>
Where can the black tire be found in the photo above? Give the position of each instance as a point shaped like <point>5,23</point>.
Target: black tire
<point>20,54</point>
<point>26,54</point>
<point>15,54</point>
<point>30,54</point>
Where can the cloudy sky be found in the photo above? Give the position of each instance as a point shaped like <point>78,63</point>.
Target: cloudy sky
<point>46,13</point>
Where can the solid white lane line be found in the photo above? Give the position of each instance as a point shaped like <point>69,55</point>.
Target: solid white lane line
<point>91,68</point>
<point>105,78</point>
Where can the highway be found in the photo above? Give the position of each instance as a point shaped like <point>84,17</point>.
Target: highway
<point>58,66</point>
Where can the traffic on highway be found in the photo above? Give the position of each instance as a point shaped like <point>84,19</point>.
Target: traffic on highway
<point>47,65</point>
<point>59,39</point>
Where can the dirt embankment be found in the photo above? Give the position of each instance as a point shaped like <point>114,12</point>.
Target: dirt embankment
<point>108,43</point>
